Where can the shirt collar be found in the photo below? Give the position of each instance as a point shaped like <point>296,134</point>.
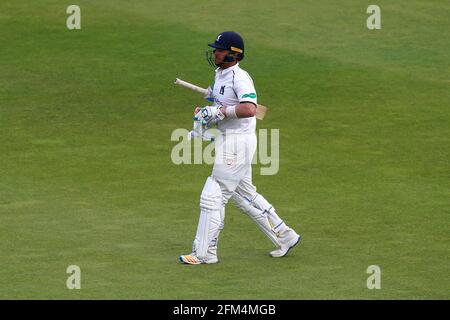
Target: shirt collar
<point>222,72</point>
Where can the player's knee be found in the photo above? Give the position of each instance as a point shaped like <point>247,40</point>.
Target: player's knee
<point>211,197</point>
<point>260,202</point>
<point>240,202</point>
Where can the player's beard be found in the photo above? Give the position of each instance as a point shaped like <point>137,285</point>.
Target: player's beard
<point>213,61</point>
<point>211,58</point>
<point>218,62</point>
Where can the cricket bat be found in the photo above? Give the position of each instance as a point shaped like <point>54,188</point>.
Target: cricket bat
<point>260,110</point>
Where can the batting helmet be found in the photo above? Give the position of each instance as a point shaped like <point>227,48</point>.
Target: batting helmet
<point>232,41</point>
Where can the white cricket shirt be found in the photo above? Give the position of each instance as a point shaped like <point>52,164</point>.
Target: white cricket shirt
<point>232,86</point>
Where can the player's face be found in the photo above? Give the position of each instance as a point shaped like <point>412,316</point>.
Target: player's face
<point>219,55</point>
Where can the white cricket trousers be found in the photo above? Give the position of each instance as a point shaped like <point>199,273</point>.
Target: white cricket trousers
<point>231,173</point>
<point>233,164</point>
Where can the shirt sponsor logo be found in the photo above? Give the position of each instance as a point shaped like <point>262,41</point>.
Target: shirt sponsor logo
<point>249,95</point>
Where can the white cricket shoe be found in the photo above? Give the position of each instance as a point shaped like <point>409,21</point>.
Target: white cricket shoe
<point>288,240</point>
<point>192,259</point>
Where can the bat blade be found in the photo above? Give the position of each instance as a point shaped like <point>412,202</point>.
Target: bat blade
<point>260,112</point>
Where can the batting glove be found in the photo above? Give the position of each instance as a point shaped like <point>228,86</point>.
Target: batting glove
<point>211,115</point>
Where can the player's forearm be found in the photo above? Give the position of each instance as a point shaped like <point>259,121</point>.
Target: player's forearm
<point>242,110</point>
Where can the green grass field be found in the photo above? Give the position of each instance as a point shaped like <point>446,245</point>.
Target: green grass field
<point>86,176</point>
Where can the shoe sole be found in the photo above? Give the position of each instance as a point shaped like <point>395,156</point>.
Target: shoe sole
<point>194,264</point>
<point>297,242</point>
<point>186,262</point>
